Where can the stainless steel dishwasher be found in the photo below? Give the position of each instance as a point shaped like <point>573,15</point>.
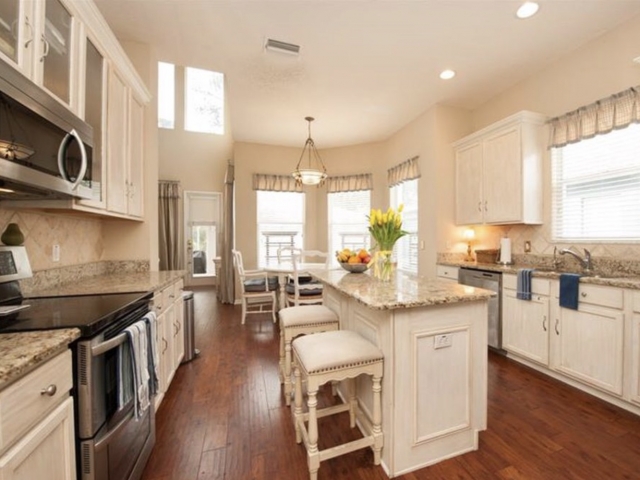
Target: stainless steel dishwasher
<point>489,281</point>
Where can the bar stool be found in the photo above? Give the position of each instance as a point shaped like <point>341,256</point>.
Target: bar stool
<point>350,356</point>
<point>301,320</point>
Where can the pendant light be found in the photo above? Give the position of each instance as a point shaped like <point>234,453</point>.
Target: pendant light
<point>314,172</point>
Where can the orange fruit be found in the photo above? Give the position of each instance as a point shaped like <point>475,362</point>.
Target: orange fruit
<point>354,259</point>
<point>363,253</point>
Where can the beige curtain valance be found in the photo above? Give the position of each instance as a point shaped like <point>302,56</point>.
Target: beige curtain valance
<point>275,183</point>
<point>616,111</point>
<point>350,183</point>
<point>407,170</point>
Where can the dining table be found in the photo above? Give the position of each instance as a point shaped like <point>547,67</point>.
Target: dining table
<point>285,268</point>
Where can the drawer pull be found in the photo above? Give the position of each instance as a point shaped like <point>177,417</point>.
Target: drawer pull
<point>50,390</point>
<point>544,323</point>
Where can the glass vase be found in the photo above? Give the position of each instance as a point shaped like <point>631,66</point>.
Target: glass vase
<point>382,266</point>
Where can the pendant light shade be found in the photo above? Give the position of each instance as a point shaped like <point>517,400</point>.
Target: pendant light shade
<point>312,170</point>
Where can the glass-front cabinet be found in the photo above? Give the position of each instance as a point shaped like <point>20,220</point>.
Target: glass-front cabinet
<point>39,38</point>
<point>16,33</point>
<point>94,114</point>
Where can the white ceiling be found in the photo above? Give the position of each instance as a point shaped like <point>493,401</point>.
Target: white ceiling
<point>366,68</point>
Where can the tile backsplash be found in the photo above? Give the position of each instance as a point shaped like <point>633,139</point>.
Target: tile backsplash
<point>80,238</point>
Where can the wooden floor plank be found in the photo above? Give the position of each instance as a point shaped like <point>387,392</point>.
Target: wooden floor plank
<point>224,418</point>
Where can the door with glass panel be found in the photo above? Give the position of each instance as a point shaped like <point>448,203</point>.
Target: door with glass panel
<point>202,233</point>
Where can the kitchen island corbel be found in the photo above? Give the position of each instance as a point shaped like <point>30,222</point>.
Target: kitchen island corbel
<point>433,335</point>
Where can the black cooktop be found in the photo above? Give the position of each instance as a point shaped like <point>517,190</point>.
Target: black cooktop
<point>89,313</point>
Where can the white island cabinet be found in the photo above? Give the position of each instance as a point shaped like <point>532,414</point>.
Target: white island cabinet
<point>433,334</point>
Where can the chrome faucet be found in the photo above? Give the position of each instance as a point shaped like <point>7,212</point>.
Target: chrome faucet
<point>585,262</point>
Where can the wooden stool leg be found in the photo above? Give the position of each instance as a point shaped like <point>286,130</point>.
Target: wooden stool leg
<point>353,401</point>
<point>287,371</point>
<point>377,420</point>
<point>313,455</point>
<point>281,362</point>
<point>297,411</point>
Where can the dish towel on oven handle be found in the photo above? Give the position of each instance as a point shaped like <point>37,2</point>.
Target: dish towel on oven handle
<point>154,361</point>
<point>138,338</point>
<point>523,284</point>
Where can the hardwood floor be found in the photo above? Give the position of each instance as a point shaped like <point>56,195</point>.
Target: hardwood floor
<point>224,418</point>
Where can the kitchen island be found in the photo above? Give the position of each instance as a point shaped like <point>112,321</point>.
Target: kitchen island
<point>433,334</point>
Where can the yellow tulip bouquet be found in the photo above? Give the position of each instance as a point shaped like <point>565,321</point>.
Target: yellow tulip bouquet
<point>386,230</point>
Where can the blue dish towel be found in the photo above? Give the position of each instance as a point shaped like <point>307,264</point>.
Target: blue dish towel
<point>569,286</point>
<point>523,285</point>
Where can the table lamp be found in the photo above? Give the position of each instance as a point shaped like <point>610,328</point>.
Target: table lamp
<point>469,234</point>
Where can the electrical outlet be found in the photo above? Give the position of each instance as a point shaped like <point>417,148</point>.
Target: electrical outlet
<point>442,341</point>
<point>527,246</point>
<point>56,253</point>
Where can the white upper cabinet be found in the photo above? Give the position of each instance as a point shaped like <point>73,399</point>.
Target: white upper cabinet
<point>16,33</point>
<point>499,172</point>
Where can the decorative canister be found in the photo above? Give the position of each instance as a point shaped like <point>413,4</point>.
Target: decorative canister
<point>12,235</point>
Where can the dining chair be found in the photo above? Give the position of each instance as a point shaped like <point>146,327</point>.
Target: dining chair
<point>301,289</point>
<point>287,253</point>
<point>258,289</point>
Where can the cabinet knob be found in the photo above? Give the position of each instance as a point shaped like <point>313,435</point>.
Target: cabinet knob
<point>583,294</point>
<point>49,391</point>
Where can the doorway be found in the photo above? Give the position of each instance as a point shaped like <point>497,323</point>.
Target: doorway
<point>202,231</point>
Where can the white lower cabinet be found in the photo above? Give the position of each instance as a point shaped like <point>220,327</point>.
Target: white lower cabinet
<point>36,424</point>
<point>169,307</point>
<point>589,346</point>
<point>525,330</point>
<point>634,356</point>
<point>445,272</point>
<point>47,451</point>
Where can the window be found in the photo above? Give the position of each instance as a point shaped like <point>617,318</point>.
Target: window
<point>166,95</point>
<point>204,101</point>
<point>596,187</point>
<point>406,249</point>
<point>204,237</point>
<point>280,223</point>
<point>348,224</point>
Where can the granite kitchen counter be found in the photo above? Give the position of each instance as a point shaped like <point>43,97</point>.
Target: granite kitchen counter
<point>403,291</point>
<point>611,280</point>
<point>21,353</point>
<point>111,283</point>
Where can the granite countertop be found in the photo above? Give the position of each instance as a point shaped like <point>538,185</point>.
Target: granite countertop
<point>403,291</point>
<point>112,283</point>
<point>22,352</point>
<point>621,281</point>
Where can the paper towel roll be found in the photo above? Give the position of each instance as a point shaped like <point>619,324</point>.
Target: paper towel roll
<point>505,250</point>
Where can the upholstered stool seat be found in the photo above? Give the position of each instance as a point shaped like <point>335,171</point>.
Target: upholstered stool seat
<point>336,356</point>
<point>302,320</point>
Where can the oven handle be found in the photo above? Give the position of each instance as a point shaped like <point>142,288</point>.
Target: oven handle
<point>110,344</point>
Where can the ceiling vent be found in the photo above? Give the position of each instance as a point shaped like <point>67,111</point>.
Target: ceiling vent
<point>282,47</point>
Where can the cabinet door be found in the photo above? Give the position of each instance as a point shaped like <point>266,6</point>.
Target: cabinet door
<point>16,34</point>
<point>469,207</point>
<point>525,326</point>
<point>635,358</point>
<point>502,177</point>
<point>136,160</point>
<point>94,115</point>
<point>169,332</point>
<point>178,337</point>
<point>117,150</point>
<point>589,346</point>
<point>47,451</point>
<point>57,50</point>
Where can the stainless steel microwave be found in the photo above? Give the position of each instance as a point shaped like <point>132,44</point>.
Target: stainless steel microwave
<point>45,150</point>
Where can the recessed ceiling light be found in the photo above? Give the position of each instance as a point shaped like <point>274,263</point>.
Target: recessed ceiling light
<point>447,74</point>
<point>637,59</point>
<point>527,9</point>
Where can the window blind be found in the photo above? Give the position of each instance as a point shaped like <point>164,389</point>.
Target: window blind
<point>280,217</point>
<point>596,187</point>
<point>348,224</point>
<point>406,249</point>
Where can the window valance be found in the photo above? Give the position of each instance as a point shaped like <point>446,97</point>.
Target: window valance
<point>169,189</point>
<point>350,183</point>
<point>275,183</point>
<point>616,111</point>
<point>407,170</point>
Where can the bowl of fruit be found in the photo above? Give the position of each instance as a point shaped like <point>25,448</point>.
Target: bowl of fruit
<point>354,262</point>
